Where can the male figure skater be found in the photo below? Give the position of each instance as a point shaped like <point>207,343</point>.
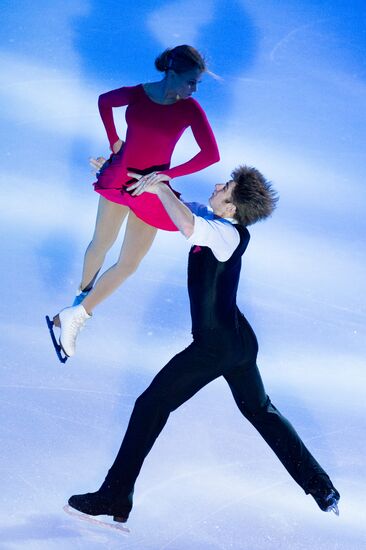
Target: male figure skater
<point>223,344</point>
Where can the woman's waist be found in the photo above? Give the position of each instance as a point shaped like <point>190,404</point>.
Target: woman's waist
<point>141,169</point>
<point>116,169</point>
<point>125,162</point>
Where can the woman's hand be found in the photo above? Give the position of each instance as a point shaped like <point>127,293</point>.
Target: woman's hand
<point>149,183</point>
<point>116,147</point>
<point>97,163</point>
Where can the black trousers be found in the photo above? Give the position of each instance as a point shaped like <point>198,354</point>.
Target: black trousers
<point>231,354</point>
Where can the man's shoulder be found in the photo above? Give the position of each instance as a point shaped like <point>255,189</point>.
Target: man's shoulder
<point>243,230</point>
<point>244,236</point>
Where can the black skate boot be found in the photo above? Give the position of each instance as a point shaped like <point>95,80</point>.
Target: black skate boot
<point>98,504</point>
<point>324,493</point>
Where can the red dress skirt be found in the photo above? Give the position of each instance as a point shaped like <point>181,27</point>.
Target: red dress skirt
<point>147,206</point>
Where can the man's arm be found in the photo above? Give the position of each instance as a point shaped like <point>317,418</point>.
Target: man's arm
<point>177,211</point>
<point>219,235</point>
<point>180,215</point>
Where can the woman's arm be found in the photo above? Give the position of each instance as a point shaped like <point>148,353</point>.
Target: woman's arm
<point>106,102</point>
<point>209,153</point>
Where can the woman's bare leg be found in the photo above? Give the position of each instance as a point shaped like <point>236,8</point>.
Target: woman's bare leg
<point>137,241</point>
<point>110,217</point>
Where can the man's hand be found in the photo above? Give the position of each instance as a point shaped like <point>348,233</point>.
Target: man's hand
<point>177,211</point>
<point>149,182</point>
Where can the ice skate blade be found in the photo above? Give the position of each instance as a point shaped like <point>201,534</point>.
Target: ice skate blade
<point>94,521</point>
<point>333,508</point>
<point>62,356</point>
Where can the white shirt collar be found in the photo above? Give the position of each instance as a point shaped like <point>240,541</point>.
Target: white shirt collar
<point>231,220</point>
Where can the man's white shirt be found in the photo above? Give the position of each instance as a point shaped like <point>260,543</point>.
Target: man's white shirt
<point>219,234</point>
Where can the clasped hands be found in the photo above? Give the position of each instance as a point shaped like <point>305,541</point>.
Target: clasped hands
<point>147,183</point>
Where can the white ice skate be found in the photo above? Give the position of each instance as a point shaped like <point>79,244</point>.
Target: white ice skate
<point>70,321</point>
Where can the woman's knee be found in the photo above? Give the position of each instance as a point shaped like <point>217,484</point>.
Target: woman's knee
<point>101,245</point>
<point>128,266</point>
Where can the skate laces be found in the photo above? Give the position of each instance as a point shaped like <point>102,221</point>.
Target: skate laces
<point>78,323</point>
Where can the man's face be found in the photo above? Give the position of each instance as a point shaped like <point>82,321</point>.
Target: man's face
<point>220,200</point>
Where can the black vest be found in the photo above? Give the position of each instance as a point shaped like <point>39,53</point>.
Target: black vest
<point>212,286</point>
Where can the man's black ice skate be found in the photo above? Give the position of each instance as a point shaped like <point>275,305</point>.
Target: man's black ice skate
<point>325,495</point>
<point>99,504</point>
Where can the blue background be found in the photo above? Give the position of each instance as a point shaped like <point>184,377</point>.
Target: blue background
<point>290,100</point>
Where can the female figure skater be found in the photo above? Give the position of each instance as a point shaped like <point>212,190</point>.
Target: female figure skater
<point>157,114</point>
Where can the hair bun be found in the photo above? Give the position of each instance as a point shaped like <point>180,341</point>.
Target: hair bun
<point>180,59</point>
<point>163,61</point>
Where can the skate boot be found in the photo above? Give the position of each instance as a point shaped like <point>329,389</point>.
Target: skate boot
<point>100,504</point>
<point>80,295</point>
<point>70,320</point>
<point>324,493</point>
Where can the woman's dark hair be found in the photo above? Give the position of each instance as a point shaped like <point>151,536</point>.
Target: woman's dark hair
<point>180,59</point>
<point>253,195</point>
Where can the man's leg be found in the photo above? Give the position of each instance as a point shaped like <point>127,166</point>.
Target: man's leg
<point>177,382</point>
<point>247,388</point>
<point>248,391</point>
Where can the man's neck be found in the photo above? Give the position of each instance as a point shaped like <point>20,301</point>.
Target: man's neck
<point>228,218</point>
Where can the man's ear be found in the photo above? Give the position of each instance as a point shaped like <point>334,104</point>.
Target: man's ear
<point>231,209</point>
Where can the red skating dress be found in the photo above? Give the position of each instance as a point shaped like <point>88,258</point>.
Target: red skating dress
<point>153,130</point>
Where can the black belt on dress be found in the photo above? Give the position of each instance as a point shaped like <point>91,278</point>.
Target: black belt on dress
<point>143,172</point>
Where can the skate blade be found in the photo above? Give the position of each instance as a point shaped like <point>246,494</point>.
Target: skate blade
<point>62,356</point>
<point>333,508</point>
<point>91,519</point>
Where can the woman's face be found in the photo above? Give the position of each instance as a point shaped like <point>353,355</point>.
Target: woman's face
<point>185,84</point>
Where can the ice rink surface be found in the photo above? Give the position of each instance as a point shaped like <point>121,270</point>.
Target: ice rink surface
<point>292,102</point>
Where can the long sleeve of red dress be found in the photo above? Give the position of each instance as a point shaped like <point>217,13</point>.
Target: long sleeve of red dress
<point>106,102</point>
<point>203,134</point>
